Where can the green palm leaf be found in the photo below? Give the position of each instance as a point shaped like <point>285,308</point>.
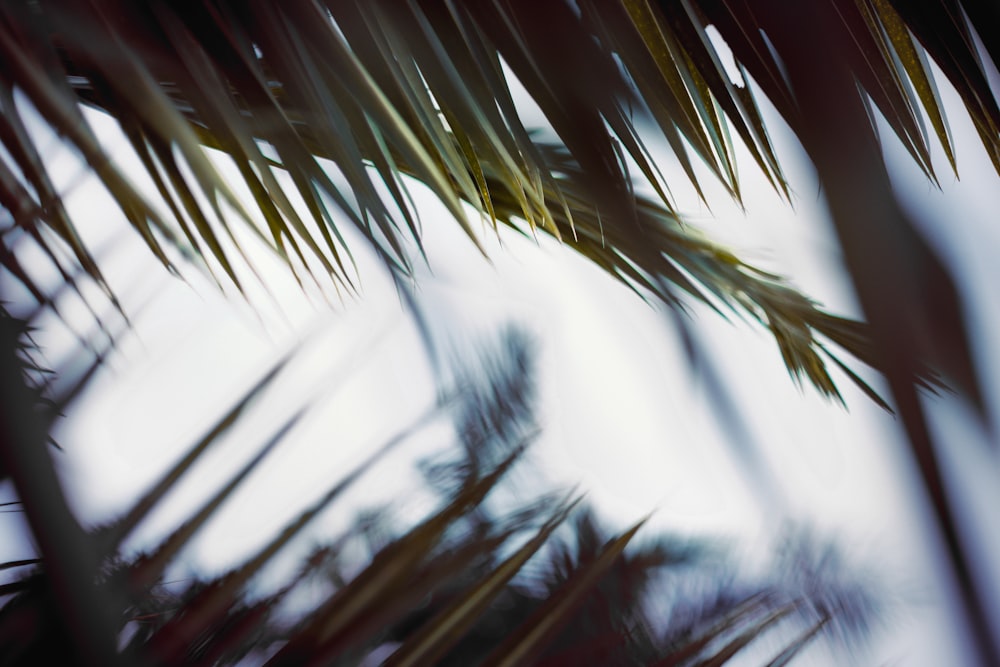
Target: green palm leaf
<point>418,89</point>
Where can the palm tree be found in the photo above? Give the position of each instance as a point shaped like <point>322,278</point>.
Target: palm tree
<point>372,94</point>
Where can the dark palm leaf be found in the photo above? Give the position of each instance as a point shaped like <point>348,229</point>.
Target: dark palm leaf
<point>386,89</point>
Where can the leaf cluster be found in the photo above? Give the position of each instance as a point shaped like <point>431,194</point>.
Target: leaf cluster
<point>336,105</point>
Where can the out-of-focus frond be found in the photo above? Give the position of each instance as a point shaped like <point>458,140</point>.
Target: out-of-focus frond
<point>885,44</point>
<point>906,291</point>
<point>814,593</point>
<point>468,583</point>
<point>495,405</point>
<point>850,602</point>
<point>530,640</point>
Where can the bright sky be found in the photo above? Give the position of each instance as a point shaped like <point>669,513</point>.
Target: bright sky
<point>622,412</point>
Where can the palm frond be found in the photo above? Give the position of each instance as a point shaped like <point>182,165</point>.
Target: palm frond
<point>384,89</point>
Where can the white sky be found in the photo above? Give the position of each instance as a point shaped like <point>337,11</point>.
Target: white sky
<point>622,413</point>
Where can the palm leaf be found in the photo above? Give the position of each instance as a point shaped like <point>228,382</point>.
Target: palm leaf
<point>358,85</point>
